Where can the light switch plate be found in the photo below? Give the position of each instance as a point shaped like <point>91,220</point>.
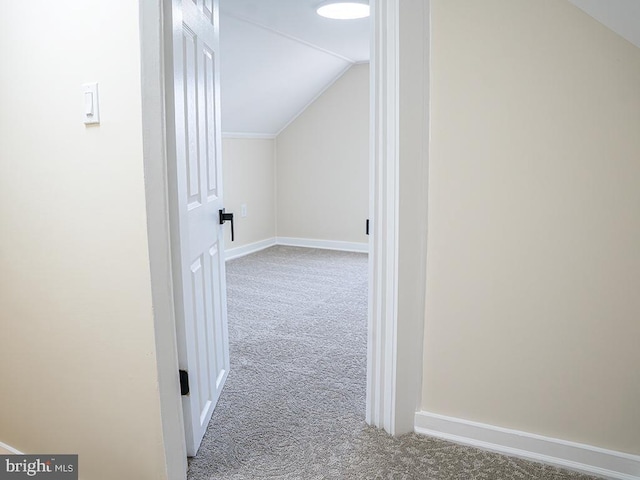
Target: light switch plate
<point>91,105</point>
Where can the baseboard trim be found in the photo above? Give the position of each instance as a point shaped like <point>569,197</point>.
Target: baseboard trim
<point>250,248</point>
<point>574,456</point>
<point>323,244</point>
<point>237,252</point>
<point>10,449</point>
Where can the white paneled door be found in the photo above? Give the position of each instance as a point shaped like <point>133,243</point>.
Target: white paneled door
<point>196,199</point>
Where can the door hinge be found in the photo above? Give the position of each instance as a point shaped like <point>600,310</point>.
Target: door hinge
<point>367,228</point>
<point>184,382</point>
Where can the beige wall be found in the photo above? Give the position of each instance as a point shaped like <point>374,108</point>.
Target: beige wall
<point>323,165</point>
<point>532,318</point>
<point>249,179</point>
<point>77,350</point>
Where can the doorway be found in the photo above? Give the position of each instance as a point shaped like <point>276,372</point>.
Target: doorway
<point>390,396</point>
<point>306,157</point>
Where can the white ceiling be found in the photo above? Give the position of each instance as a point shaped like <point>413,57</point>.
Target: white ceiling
<point>277,56</point>
<point>621,16</point>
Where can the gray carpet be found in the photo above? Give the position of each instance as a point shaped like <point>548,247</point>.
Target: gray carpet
<point>293,405</point>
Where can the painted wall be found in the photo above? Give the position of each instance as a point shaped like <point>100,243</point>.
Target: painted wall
<point>249,179</point>
<point>323,165</point>
<point>532,317</point>
<point>77,349</point>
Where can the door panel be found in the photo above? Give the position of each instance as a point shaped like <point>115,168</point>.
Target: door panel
<point>189,82</point>
<point>209,117</point>
<point>197,239</point>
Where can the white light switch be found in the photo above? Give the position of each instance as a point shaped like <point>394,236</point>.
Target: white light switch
<point>91,105</point>
<point>88,104</point>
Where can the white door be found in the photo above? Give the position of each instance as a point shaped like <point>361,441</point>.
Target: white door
<point>196,198</point>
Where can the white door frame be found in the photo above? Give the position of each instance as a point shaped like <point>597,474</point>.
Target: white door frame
<point>153,37</point>
<point>398,171</point>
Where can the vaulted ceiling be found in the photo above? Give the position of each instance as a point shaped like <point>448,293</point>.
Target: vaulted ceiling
<point>621,16</point>
<point>277,56</point>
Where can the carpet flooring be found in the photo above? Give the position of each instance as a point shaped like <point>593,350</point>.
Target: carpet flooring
<point>293,405</point>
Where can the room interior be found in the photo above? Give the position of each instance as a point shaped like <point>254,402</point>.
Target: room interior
<point>295,123</point>
<point>530,321</point>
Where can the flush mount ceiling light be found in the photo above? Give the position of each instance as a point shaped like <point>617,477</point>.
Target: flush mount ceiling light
<point>344,10</point>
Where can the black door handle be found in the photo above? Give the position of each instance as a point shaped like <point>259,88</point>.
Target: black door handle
<point>224,217</point>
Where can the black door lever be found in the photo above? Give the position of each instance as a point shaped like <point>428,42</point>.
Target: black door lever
<point>224,217</point>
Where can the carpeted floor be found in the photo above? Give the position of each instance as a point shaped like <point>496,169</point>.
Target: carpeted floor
<point>293,405</point>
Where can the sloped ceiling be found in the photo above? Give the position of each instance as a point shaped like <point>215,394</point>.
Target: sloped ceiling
<point>621,16</point>
<point>277,56</point>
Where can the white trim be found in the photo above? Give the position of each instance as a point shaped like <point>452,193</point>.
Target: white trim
<point>399,158</point>
<point>552,451</point>
<point>231,253</point>
<point>411,145</point>
<point>310,102</point>
<point>265,136</point>
<point>155,33</point>
<point>383,264</point>
<point>323,244</point>
<point>10,449</point>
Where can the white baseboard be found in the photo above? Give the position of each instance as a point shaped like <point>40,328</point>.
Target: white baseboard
<point>323,244</point>
<point>561,453</point>
<point>231,253</point>
<point>11,450</point>
<point>237,252</point>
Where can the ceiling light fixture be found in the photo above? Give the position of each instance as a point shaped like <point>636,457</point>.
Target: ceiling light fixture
<point>344,10</point>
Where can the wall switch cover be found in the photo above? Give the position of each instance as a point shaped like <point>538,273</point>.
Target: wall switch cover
<point>91,104</point>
